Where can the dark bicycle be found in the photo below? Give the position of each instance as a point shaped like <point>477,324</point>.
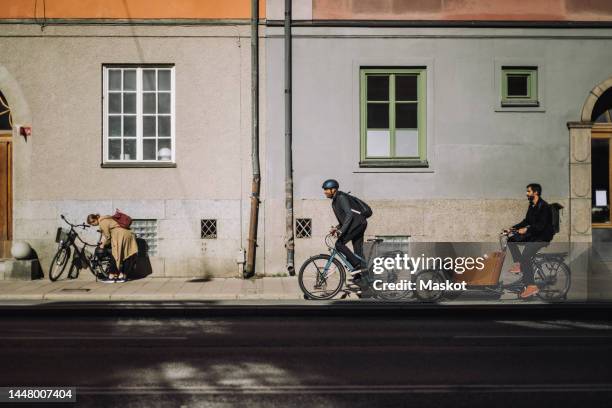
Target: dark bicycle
<point>99,262</point>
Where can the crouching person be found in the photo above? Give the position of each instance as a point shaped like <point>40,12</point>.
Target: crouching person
<point>122,242</point>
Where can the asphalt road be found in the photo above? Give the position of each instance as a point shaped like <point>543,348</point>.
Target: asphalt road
<point>312,360</point>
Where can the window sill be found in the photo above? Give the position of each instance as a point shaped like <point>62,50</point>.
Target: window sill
<point>137,165</point>
<point>394,164</point>
<point>520,109</point>
<point>520,103</point>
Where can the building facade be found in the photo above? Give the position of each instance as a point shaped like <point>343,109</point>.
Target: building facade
<point>440,122</point>
<point>437,113</point>
<point>137,106</point>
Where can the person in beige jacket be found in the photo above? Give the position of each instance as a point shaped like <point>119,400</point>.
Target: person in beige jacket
<point>121,240</point>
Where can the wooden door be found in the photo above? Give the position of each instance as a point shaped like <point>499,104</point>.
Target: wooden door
<point>6,195</point>
<point>601,175</point>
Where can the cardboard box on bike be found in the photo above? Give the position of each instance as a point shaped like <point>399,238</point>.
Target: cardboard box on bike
<point>487,276</point>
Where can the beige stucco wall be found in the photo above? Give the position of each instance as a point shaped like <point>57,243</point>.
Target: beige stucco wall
<point>54,83</point>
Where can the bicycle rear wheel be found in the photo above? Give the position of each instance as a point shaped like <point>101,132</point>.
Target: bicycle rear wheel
<point>319,282</point>
<point>552,278</point>
<point>59,262</point>
<point>103,268</point>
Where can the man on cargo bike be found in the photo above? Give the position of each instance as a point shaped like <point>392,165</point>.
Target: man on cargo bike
<point>534,232</point>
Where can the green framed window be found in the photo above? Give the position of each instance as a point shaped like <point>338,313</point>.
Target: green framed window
<point>519,86</point>
<point>393,117</point>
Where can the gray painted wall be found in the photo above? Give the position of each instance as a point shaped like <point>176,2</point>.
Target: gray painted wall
<point>476,150</point>
<point>481,155</point>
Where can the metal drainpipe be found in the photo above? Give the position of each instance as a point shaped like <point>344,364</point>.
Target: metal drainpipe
<point>249,269</point>
<point>290,242</point>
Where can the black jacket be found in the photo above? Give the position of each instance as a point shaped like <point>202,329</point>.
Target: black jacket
<point>347,218</point>
<point>538,221</point>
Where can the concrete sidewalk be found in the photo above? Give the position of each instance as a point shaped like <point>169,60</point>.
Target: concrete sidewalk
<point>154,289</point>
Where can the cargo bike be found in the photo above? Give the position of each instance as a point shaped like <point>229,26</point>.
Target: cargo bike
<point>551,274</point>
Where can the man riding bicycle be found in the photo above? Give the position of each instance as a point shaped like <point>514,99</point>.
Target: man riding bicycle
<point>352,226</point>
<point>535,232</point>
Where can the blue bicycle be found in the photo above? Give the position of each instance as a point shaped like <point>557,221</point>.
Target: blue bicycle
<point>323,276</point>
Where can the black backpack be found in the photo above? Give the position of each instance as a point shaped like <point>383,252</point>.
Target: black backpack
<point>359,205</point>
<point>556,217</point>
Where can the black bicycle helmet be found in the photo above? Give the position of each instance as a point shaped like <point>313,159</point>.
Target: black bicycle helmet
<point>331,183</point>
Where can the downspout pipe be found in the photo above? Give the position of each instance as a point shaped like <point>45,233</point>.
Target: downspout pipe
<point>249,270</point>
<point>290,241</point>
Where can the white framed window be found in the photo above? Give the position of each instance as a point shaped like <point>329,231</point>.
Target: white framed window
<point>138,114</point>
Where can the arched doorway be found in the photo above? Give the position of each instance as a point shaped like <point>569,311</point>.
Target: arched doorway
<point>6,171</point>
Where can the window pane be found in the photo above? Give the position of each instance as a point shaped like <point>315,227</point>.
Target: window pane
<point>378,88</point>
<point>129,149</point>
<point>148,126</point>
<point>406,88</point>
<point>407,143</point>
<point>378,143</point>
<point>129,103</point>
<point>163,103</point>
<point>114,125</point>
<point>148,149</point>
<point>114,103</point>
<point>378,115</point>
<point>164,151</point>
<point>114,149</point>
<point>406,115</point>
<point>6,118</point>
<point>148,103</point>
<point>163,80</point>
<point>163,123</point>
<point>129,126</point>
<point>129,80</point>
<point>114,80</point>
<point>517,85</point>
<point>148,80</point>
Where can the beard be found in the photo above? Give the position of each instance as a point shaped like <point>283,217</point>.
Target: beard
<point>530,198</point>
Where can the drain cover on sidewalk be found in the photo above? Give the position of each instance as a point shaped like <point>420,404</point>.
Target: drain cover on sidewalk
<point>75,290</point>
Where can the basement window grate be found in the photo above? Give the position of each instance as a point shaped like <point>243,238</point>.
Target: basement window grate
<point>303,227</point>
<point>208,229</point>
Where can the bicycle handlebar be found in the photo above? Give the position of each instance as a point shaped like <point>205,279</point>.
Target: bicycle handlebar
<point>328,240</point>
<point>84,226</point>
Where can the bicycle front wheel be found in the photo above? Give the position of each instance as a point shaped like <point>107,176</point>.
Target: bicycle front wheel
<point>427,283</point>
<point>59,262</point>
<point>321,277</point>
